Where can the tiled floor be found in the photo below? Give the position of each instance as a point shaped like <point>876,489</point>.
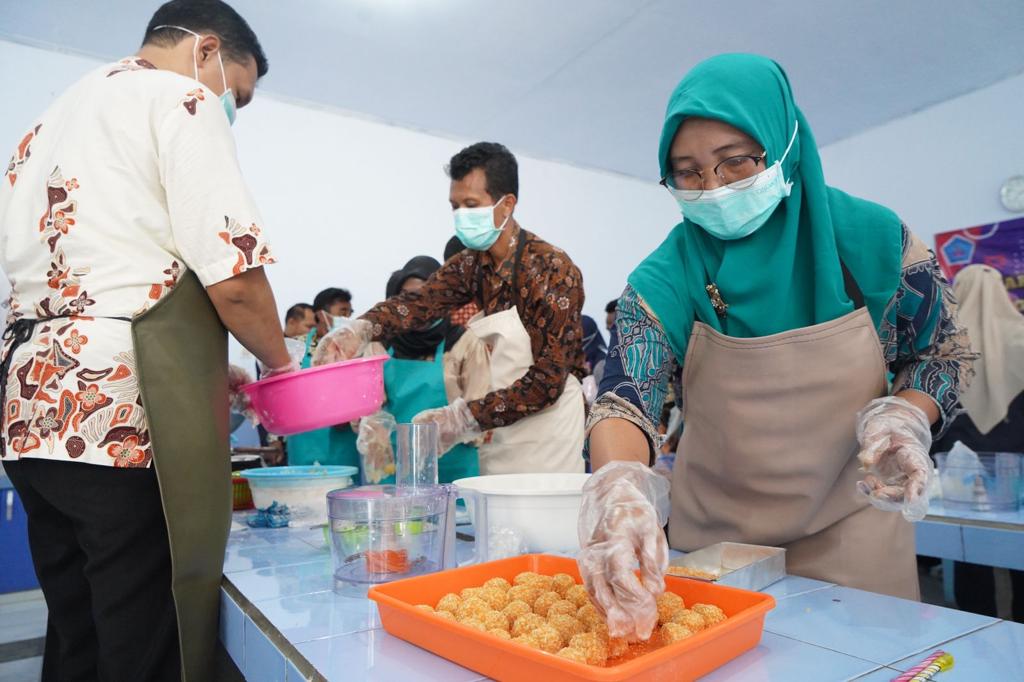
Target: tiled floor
<point>22,617</point>
<point>23,670</point>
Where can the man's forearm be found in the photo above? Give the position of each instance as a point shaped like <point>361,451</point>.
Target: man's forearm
<point>246,306</point>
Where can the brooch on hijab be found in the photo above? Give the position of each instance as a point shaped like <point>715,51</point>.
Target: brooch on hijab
<point>717,303</point>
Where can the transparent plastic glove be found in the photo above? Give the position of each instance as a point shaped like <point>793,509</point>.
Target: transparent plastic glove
<point>895,437</point>
<point>267,372</point>
<point>239,399</point>
<point>625,507</point>
<point>347,341</point>
<point>589,389</point>
<point>374,446</point>
<point>455,424</point>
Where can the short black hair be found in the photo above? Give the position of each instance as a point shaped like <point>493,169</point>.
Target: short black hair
<point>612,306</point>
<point>328,297</point>
<point>499,166</point>
<point>297,311</point>
<point>207,16</point>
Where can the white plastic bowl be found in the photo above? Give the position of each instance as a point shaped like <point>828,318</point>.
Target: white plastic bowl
<point>536,512</point>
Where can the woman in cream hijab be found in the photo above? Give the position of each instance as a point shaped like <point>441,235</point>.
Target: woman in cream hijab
<point>994,400</point>
<point>994,404</point>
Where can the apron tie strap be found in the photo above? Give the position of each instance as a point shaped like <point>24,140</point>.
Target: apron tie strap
<point>17,333</point>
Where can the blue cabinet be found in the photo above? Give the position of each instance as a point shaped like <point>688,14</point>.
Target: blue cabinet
<point>18,573</point>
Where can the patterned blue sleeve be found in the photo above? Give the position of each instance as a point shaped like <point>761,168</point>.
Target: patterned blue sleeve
<point>925,348</point>
<point>640,360</point>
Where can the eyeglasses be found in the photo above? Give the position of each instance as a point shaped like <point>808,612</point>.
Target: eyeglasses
<point>738,172</point>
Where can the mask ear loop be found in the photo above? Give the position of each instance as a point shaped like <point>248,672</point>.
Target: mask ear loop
<point>223,75</point>
<point>507,218</point>
<point>195,49</point>
<point>789,183</point>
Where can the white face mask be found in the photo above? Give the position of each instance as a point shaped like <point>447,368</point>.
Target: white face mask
<point>227,98</point>
<point>728,213</point>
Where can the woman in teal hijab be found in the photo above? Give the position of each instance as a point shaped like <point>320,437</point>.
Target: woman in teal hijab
<point>819,351</point>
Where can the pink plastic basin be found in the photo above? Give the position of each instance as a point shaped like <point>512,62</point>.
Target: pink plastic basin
<point>319,397</point>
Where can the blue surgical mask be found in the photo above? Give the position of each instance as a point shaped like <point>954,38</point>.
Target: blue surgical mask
<point>475,227</point>
<point>227,98</point>
<point>728,213</point>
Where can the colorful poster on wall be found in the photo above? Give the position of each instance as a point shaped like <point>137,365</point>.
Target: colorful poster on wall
<point>1000,245</point>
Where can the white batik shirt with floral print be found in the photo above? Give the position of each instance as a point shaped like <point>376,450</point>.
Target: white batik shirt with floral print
<point>125,183</point>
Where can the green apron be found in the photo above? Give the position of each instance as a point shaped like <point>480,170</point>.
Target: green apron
<point>416,385</point>
<point>330,446</point>
<point>181,354</point>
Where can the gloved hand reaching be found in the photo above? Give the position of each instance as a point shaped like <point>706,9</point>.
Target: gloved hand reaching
<point>625,507</point>
<point>346,342</point>
<point>895,438</point>
<point>455,424</point>
<point>239,399</point>
<point>374,446</point>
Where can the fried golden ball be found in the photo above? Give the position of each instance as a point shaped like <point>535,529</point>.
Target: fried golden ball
<point>577,594</point>
<point>562,582</point>
<point>470,592</point>
<point>474,623</point>
<point>712,614</point>
<point>516,608</point>
<point>562,606</point>
<point>690,619</point>
<point>499,633</point>
<point>548,639</point>
<point>526,640</point>
<point>567,626</point>
<point>499,583</point>
<point>674,632</point>
<point>497,620</point>
<point>449,602</point>
<point>544,582</point>
<point>592,647</point>
<point>601,630</point>
<point>474,607</point>
<point>668,604</point>
<point>526,624</point>
<point>495,597</point>
<point>525,577</point>
<point>526,593</point>
<point>572,655</point>
<point>589,616</point>
<point>425,607</point>
<point>447,615</point>
<point>544,602</point>
<point>617,646</point>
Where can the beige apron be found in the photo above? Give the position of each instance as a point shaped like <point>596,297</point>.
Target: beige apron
<point>181,352</point>
<point>768,454</point>
<point>548,441</point>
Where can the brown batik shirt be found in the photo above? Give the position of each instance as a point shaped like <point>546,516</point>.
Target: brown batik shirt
<point>548,292</point>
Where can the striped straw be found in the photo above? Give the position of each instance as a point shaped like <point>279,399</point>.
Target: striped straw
<point>927,669</point>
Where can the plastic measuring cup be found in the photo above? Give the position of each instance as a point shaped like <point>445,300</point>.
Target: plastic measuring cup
<point>416,459</point>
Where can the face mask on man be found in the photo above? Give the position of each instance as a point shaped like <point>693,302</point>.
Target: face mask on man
<point>728,213</point>
<point>227,98</point>
<point>475,227</point>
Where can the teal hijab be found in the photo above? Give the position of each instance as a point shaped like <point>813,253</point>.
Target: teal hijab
<point>787,274</point>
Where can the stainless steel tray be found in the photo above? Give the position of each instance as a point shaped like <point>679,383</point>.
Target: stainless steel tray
<point>749,567</point>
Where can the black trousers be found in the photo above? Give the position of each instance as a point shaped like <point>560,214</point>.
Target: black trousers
<point>975,589</point>
<point>99,545</point>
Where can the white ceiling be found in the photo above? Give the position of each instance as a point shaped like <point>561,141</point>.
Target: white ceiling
<point>584,81</point>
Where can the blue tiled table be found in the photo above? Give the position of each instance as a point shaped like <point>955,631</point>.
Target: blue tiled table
<point>281,621</point>
<point>988,538</point>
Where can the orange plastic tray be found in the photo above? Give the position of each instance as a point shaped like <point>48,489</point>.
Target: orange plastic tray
<point>503,660</point>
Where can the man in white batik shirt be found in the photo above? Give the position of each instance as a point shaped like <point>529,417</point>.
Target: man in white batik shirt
<point>123,217</point>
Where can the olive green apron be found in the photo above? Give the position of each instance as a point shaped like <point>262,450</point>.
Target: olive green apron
<point>181,351</point>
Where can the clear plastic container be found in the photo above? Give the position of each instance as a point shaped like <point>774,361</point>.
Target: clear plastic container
<point>993,483</point>
<point>381,533</point>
